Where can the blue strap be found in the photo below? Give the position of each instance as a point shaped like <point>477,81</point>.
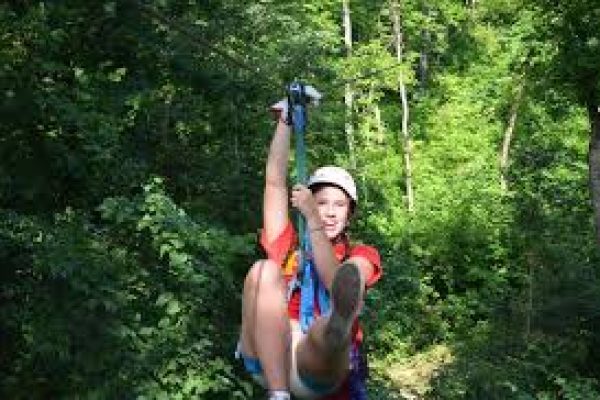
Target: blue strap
<point>307,296</point>
<point>311,286</point>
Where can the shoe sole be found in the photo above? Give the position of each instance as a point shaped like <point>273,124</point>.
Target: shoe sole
<point>346,295</point>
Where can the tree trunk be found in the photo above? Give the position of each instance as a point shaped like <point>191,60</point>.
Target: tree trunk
<point>423,56</point>
<point>529,311</point>
<point>406,139</point>
<point>532,261</point>
<point>594,164</point>
<point>164,130</point>
<point>349,93</point>
<point>423,61</point>
<point>378,124</point>
<point>508,136</point>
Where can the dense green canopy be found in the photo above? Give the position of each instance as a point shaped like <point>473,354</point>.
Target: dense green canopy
<point>133,136</point>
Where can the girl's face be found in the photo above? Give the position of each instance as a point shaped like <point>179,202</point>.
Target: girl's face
<point>334,209</point>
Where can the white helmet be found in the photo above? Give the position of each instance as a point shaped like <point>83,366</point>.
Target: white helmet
<point>336,176</point>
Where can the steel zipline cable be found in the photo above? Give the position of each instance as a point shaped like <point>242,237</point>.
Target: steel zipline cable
<point>198,41</point>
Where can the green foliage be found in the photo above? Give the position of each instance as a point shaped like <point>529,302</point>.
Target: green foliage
<point>131,162</point>
<point>496,367</point>
<point>126,314</point>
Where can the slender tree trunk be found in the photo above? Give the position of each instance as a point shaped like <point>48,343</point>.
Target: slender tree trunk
<point>532,262</point>
<point>165,121</point>
<point>407,148</point>
<point>406,139</point>
<point>378,123</point>
<point>349,93</point>
<point>164,129</point>
<point>423,56</point>
<point>423,61</point>
<point>529,314</point>
<point>594,163</point>
<point>508,136</point>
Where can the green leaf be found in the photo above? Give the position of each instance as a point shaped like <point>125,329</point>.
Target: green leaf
<point>173,307</point>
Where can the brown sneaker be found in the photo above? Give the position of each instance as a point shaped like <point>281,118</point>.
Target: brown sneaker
<point>346,296</point>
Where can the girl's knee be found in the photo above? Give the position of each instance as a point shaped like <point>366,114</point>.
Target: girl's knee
<point>264,272</point>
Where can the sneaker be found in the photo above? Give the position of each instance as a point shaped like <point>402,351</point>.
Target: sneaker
<point>346,295</point>
<point>279,395</point>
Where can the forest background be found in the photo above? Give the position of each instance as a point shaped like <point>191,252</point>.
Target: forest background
<point>133,138</point>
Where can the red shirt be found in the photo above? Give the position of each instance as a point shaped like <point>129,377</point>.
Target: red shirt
<point>279,250</point>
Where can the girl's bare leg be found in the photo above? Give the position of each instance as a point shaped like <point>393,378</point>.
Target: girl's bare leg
<point>265,323</point>
<point>323,354</point>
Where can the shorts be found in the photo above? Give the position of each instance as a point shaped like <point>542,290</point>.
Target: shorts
<point>302,387</point>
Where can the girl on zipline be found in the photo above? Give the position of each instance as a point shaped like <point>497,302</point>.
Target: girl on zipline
<point>275,350</point>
